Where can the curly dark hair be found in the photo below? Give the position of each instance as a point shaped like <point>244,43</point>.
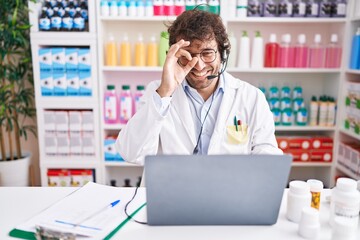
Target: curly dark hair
<point>200,25</point>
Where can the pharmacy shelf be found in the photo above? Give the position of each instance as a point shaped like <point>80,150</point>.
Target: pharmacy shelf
<point>349,133</point>
<point>285,20</point>
<point>120,164</point>
<point>131,69</point>
<point>113,126</point>
<point>67,102</point>
<point>67,164</point>
<point>355,19</point>
<point>139,19</point>
<point>284,70</point>
<point>311,164</point>
<point>348,172</point>
<point>304,128</point>
<point>63,38</point>
<point>351,71</point>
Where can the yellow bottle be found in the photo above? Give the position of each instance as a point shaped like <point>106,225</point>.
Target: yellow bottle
<point>111,52</point>
<point>152,53</point>
<point>140,52</point>
<point>125,52</point>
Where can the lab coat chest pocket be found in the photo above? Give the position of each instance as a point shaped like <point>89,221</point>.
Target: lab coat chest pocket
<point>237,137</point>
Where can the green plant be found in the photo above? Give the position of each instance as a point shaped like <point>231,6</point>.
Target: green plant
<point>16,80</point>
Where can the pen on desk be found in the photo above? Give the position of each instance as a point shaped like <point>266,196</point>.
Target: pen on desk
<point>78,224</point>
<point>236,123</point>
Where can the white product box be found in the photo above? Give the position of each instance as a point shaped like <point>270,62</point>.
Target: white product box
<point>49,121</point>
<point>87,121</point>
<point>75,121</point>
<point>58,59</point>
<point>75,143</point>
<point>62,121</point>
<point>71,59</point>
<point>46,83</point>
<point>50,144</point>
<point>84,59</point>
<point>60,84</point>
<point>88,143</point>
<point>63,143</point>
<point>45,59</point>
<point>72,83</point>
<point>85,84</point>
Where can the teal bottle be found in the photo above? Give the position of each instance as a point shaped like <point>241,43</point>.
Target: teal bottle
<point>163,47</point>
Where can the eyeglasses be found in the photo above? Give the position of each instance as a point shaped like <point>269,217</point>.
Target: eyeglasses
<point>206,55</point>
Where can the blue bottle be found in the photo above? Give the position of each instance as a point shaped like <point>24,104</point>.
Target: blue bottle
<point>355,51</point>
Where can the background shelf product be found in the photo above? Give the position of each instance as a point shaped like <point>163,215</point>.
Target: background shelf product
<point>313,81</point>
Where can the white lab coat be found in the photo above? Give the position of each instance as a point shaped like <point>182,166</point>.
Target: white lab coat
<point>149,133</point>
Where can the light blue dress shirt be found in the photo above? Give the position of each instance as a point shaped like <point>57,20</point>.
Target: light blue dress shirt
<point>204,113</point>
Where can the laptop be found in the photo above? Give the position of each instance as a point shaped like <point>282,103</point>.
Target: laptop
<point>215,189</point>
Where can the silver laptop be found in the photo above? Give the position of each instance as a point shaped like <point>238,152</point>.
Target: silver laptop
<point>215,189</point>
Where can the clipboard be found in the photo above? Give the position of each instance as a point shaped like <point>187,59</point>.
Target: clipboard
<point>85,193</point>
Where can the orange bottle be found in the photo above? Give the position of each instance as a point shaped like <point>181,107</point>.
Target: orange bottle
<point>125,52</point>
<point>140,52</point>
<point>110,52</point>
<point>152,53</point>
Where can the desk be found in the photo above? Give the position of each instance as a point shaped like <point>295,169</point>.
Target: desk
<point>17,204</point>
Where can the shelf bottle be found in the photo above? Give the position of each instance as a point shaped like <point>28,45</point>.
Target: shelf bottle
<point>110,105</point>
<point>299,7</point>
<point>125,51</point>
<point>152,53</point>
<point>240,9</point>
<point>255,8</point>
<point>325,9</point>
<point>312,9</point>
<point>286,52</point>
<point>104,8</point>
<point>140,52</point>
<point>233,52</point>
<point>244,51</point>
<point>179,7</point>
<point>140,90</point>
<point>149,8</point>
<point>111,52</point>
<point>126,104</point>
<point>114,11</point>
<point>338,8</point>
<point>333,53</point>
<point>122,8</point>
<point>314,111</point>
<point>271,52</point>
<point>214,6</point>
<point>285,8</point>
<point>140,8</point>
<point>158,7</point>
<point>132,9</point>
<point>301,52</point>
<point>163,47</point>
<point>317,53</point>
<point>355,51</point>
<point>189,5</point>
<point>169,8</point>
<point>270,8</point>
<point>257,55</point>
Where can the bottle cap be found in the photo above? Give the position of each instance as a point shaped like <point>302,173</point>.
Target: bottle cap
<point>301,38</point>
<point>110,87</point>
<point>140,87</point>
<point>344,227</point>
<point>317,38</point>
<point>165,34</point>
<point>309,225</point>
<point>315,185</point>
<point>286,38</point>
<point>299,187</point>
<point>334,38</point>
<point>125,87</point>
<point>346,184</point>
<point>272,38</point>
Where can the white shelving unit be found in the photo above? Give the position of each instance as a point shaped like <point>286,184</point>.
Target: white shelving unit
<point>314,81</point>
<point>43,103</point>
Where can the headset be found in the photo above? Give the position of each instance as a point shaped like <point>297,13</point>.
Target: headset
<point>224,61</point>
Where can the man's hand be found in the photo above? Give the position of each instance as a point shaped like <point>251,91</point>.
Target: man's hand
<point>173,72</point>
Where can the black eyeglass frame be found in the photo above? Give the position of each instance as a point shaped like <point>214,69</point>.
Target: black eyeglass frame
<point>201,56</point>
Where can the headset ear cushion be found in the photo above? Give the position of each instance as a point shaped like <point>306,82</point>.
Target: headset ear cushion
<point>225,55</point>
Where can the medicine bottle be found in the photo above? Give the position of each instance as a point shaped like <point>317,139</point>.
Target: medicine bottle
<point>316,186</point>
<point>298,197</point>
<point>345,199</point>
<point>343,229</point>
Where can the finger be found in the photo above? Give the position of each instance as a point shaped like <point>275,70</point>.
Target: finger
<point>191,64</point>
<point>183,53</point>
<point>175,47</point>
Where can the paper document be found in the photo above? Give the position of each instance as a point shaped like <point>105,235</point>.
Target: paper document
<point>93,211</point>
